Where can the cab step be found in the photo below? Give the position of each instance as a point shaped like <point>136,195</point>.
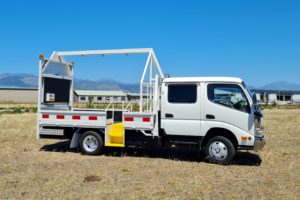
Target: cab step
<point>185,142</point>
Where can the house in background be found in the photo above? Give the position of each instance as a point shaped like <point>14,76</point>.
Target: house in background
<point>280,97</point>
<point>30,95</point>
<point>19,95</point>
<point>134,97</point>
<point>271,97</point>
<point>295,99</point>
<point>84,96</point>
<point>259,97</point>
<point>96,96</point>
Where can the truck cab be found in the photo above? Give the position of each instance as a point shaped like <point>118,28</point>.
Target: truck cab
<point>219,112</point>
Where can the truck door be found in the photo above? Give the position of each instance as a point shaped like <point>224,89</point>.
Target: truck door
<point>181,109</point>
<point>228,104</point>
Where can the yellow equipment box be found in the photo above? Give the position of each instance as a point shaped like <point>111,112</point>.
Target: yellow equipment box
<point>115,135</point>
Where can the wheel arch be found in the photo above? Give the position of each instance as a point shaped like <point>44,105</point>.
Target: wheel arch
<point>100,131</point>
<point>219,132</point>
<point>78,133</point>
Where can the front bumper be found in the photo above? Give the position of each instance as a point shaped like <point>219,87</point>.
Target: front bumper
<point>259,142</point>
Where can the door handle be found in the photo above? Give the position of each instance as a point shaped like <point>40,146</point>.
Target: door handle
<point>168,115</point>
<point>209,116</point>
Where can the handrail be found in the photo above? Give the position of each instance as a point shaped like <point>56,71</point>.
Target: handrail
<point>127,106</point>
<point>108,106</point>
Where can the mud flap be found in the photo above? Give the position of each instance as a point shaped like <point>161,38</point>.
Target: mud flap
<point>75,139</point>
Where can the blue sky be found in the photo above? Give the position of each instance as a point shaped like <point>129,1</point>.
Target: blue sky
<point>258,41</point>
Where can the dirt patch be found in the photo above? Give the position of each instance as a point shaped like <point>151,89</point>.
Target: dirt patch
<point>91,178</point>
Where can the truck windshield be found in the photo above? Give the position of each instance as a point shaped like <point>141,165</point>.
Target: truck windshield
<point>248,90</point>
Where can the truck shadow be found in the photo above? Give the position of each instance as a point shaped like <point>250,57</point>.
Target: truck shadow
<point>241,158</point>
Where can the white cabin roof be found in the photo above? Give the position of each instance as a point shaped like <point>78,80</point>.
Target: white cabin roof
<point>203,79</point>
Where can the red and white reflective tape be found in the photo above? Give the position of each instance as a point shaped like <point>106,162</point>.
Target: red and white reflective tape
<point>95,118</point>
<point>132,119</point>
<point>74,117</point>
<point>128,119</point>
<point>92,117</point>
<point>146,119</point>
<point>60,117</point>
<point>45,116</point>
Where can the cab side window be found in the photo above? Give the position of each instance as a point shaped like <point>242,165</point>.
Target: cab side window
<point>229,95</point>
<point>182,93</point>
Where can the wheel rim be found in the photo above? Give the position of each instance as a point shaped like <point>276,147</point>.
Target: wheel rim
<point>90,143</point>
<point>218,150</point>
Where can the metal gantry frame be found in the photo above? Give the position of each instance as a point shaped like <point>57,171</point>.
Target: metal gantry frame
<point>151,86</point>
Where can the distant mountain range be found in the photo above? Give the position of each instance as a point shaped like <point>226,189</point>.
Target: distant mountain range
<point>18,80</point>
<point>31,81</point>
<point>281,85</point>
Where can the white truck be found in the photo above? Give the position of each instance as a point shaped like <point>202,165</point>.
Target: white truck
<point>215,114</point>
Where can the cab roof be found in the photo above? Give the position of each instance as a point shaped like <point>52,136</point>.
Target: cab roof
<point>202,79</point>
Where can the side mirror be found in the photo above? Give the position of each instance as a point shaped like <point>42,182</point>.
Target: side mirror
<point>254,98</point>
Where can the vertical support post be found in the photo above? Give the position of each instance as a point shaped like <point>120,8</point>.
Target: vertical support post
<point>141,97</point>
<point>71,66</point>
<point>142,81</point>
<point>156,95</point>
<point>150,82</point>
<point>41,62</point>
<point>147,101</point>
<point>156,104</point>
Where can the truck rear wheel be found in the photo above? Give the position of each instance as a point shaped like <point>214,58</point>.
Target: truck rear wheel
<point>220,150</point>
<point>91,143</point>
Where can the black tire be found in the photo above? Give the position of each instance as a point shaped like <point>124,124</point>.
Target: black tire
<point>216,148</point>
<point>96,141</point>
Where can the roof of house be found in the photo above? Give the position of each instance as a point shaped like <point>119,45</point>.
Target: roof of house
<point>17,88</point>
<point>135,94</point>
<point>99,93</point>
<point>203,79</point>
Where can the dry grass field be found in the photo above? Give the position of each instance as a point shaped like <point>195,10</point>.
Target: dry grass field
<point>28,172</point>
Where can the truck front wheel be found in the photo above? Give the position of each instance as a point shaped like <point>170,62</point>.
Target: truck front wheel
<point>220,150</point>
<point>91,143</point>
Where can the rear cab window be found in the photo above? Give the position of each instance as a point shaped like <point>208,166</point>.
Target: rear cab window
<point>182,93</point>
